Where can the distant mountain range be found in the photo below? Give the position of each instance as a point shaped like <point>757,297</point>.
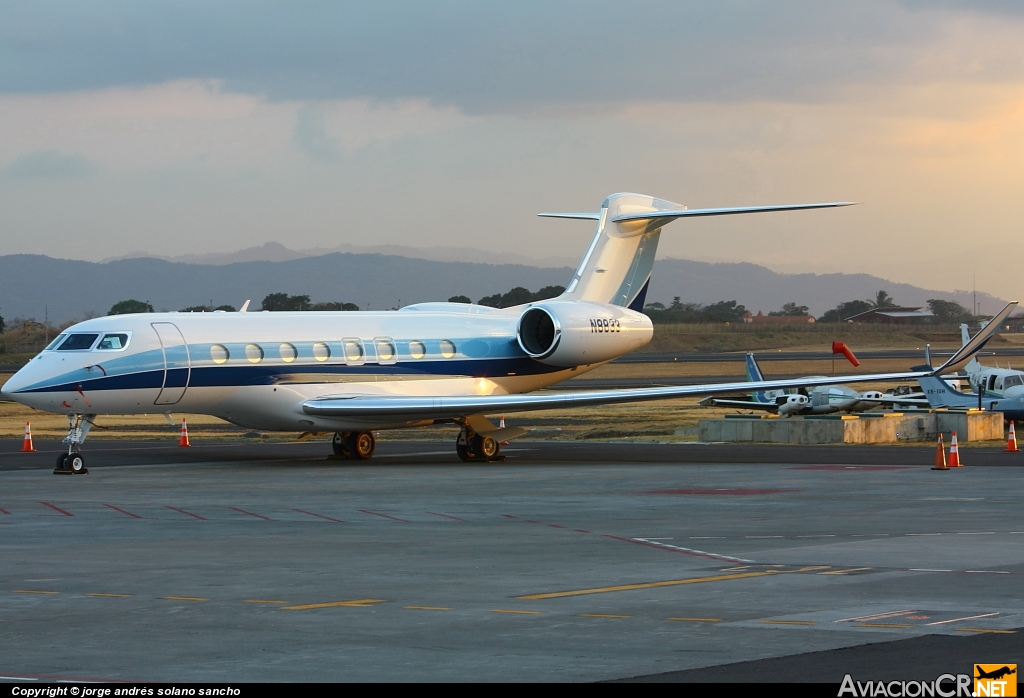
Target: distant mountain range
<point>74,289</point>
<point>276,252</point>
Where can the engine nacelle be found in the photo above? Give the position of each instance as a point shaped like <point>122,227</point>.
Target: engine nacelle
<point>578,333</point>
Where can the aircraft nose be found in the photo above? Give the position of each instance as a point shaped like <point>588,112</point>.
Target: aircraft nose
<point>14,384</point>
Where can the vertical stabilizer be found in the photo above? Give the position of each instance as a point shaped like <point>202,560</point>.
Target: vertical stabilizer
<point>965,335</point>
<point>617,266</point>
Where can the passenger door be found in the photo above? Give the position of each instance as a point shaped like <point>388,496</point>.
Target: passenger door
<point>177,363</point>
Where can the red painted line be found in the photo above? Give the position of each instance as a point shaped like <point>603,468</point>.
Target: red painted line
<point>126,513</point>
<point>659,547</point>
<point>249,513</point>
<point>319,516</point>
<point>453,518</point>
<point>92,679</point>
<point>721,491</point>
<point>555,526</point>
<point>509,516</point>
<point>186,513</point>
<point>531,521</point>
<point>855,467</point>
<point>385,516</point>
<point>4,511</point>
<point>580,530</point>
<point>66,513</point>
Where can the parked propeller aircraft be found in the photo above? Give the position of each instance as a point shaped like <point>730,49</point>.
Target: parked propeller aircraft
<point>820,399</point>
<point>353,373</point>
<point>995,382</point>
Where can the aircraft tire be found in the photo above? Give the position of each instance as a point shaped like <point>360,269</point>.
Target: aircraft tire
<point>340,444</point>
<point>486,447</point>
<point>76,463</point>
<point>463,452</point>
<point>361,445</point>
<point>62,461</point>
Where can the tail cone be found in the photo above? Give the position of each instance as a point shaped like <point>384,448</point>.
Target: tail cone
<point>1011,440</point>
<point>183,441</point>
<point>26,445</point>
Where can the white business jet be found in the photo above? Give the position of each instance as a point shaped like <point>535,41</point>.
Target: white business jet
<point>353,373</point>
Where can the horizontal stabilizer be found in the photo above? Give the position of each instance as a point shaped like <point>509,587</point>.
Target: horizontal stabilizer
<point>663,217</point>
<point>596,216</point>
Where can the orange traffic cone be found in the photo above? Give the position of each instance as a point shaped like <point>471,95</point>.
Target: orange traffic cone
<point>940,456</point>
<point>1011,440</point>
<point>501,423</point>
<point>183,441</point>
<point>954,454</point>
<point>26,445</point>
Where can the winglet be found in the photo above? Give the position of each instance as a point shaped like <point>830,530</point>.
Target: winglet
<point>245,307</point>
<point>962,357</point>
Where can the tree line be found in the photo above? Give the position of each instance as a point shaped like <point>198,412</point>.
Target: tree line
<point>943,311</point>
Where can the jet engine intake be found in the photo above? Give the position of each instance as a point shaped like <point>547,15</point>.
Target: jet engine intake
<point>576,333</point>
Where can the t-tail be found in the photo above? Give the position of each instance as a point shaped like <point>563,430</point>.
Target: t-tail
<point>617,266</point>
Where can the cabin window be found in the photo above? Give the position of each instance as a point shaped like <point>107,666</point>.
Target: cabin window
<point>385,350</point>
<point>353,350</point>
<point>254,353</point>
<point>288,352</point>
<point>321,352</point>
<point>78,342</point>
<point>219,353</point>
<point>113,342</point>
<point>417,350</point>
<point>56,340</point>
<point>447,349</point>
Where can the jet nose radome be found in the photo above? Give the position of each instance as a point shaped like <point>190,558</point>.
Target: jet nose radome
<point>15,383</point>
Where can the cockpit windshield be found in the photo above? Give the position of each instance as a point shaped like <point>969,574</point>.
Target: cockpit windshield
<point>115,341</point>
<point>1010,381</point>
<point>78,342</point>
<point>56,340</point>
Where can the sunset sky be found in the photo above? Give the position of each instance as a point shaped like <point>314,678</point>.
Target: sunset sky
<point>189,127</point>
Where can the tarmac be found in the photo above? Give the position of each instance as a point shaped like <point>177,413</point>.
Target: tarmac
<point>235,562</point>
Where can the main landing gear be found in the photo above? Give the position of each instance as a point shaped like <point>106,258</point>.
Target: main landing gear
<point>476,447</point>
<point>73,462</point>
<point>357,445</point>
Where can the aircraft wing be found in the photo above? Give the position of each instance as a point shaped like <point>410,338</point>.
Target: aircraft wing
<point>739,404</point>
<point>449,406</point>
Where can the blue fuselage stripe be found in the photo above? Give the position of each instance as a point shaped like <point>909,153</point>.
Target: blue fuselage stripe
<point>239,375</point>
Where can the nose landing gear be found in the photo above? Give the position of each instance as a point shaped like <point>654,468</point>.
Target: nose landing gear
<point>73,462</point>
<point>356,445</point>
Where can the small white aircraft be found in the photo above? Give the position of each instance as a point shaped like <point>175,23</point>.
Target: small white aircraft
<point>995,383</point>
<point>353,373</point>
<point>820,399</point>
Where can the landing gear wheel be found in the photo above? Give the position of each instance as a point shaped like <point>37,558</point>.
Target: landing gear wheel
<point>460,448</point>
<point>340,443</point>
<point>486,447</point>
<point>361,445</point>
<point>76,463</point>
<point>62,463</point>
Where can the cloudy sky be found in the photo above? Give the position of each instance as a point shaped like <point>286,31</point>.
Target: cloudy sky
<point>189,127</point>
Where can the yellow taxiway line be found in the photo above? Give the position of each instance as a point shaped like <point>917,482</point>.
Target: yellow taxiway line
<point>358,603</point>
<point>667,582</point>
